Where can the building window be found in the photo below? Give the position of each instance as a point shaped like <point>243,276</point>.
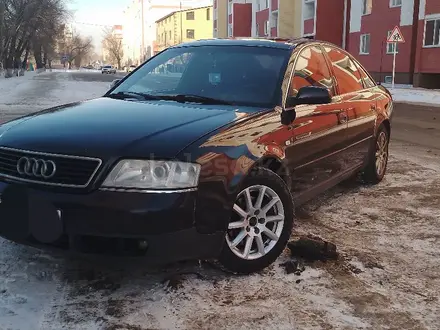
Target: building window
<point>365,44</point>
<point>432,32</point>
<point>395,3</point>
<point>391,45</point>
<point>266,4</point>
<point>170,35</point>
<point>266,28</point>
<point>190,34</point>
<point>230,8</point>
<point>309,9</point>
<point>258,29</point>
<point>230,30</point>
<point>367,5</point>
<point>190,16</point>
<point>208,14</point>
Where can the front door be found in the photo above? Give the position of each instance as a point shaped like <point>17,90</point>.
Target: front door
<point>318,131</point>
<point>359,97</point>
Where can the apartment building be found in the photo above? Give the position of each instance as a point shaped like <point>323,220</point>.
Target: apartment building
<point>360,26</point>
<point>427,63</point>
<point>371,22</point>
<point>257,18</point>
<point>184,25</point>
<point>140,25</point>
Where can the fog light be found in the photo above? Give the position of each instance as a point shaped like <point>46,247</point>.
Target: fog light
<point>142,245</point>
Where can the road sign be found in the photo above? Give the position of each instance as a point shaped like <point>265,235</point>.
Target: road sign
<point>396,36</point>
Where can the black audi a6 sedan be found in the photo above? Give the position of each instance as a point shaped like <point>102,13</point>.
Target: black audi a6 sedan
<point>203,152</point>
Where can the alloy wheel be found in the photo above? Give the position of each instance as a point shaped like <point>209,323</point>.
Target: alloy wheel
<point>256,223</point>
<point>381,153</point>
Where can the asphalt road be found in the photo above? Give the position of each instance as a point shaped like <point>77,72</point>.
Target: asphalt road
<point>92,76</point>
<point>417,125</point>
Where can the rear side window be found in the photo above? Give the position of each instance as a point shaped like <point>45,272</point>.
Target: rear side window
<point>346,72</point>
<point>311,69</point>
<point>368,82</point>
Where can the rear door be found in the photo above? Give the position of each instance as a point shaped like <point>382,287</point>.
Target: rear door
<point>318,131</point>
<point>359,99</point>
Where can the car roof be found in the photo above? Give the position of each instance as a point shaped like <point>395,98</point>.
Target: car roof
<point>283,43</point>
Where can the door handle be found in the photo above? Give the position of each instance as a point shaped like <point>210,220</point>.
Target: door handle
<point>343,118</point>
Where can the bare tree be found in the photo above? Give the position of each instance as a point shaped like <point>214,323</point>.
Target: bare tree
<point>78,47</point>
<point>29,26</point>
<point>113,45</point>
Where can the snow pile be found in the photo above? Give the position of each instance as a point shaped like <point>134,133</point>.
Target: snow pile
<point>409,94</point>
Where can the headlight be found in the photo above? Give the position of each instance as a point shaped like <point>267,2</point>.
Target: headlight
<point>151,174</point>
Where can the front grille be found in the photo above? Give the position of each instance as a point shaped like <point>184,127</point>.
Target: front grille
<point>71,171</point>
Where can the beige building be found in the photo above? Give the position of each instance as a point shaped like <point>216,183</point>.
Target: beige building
<point>258,18</point>
<point>184,25</point>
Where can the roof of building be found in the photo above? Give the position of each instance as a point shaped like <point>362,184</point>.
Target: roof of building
<point>180,11</point>
<point>257,42</point>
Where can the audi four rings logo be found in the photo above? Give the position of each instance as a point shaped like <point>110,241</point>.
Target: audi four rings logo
<point>38,168</point>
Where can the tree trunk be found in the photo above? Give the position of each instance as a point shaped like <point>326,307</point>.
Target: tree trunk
<point>37,55</point>
<point>26,55</point>
<point>9,62</point>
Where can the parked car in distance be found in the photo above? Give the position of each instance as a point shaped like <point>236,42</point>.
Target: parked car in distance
<point>206,162</point>
<point>108,69</point>
<point>131,68</point>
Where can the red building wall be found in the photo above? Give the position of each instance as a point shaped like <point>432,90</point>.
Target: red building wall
<point>261,17</point>
<point>432,7</point>
<point>427,59</point>
<point>309,26</point>
<point>330,21</point>
<point>242,20</point>
<point>381,20</point>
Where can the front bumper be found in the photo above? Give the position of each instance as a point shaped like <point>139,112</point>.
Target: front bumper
<point>159,226</point>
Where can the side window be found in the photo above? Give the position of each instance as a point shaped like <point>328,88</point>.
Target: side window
<point>311,69</point>
<point>346,72</point>
<point>368,82</point>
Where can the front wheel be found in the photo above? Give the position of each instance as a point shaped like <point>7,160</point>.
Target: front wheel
<point>260,225</point>
<point>378,161</point>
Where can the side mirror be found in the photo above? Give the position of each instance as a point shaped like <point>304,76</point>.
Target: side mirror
<point>114,83</point>
<point>309,95</point>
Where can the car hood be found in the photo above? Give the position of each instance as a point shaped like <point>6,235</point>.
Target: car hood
<point>106,127</point>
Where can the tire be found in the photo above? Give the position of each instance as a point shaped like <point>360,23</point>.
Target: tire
<point>375,170</point>
<point>249,224</point>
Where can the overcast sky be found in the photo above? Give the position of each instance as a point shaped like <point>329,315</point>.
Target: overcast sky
<point>91,16</point>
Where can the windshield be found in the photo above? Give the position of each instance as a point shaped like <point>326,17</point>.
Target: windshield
<point>236,74</point>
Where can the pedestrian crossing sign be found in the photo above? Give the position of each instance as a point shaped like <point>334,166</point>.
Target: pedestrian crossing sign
<point>396,36</point>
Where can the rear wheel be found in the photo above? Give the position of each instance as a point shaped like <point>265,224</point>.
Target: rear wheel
<point>260,224</point>
<point>377,166</point>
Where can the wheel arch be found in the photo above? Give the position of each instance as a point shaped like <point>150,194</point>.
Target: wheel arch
<point>276,165</point>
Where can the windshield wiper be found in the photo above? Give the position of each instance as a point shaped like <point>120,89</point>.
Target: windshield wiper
<point>182,98</point>
<point>126,95</point>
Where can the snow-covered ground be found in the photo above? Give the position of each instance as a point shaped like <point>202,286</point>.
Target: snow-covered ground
<point>19,95</point>
<point>387,277</point>
<point>409,94</point>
